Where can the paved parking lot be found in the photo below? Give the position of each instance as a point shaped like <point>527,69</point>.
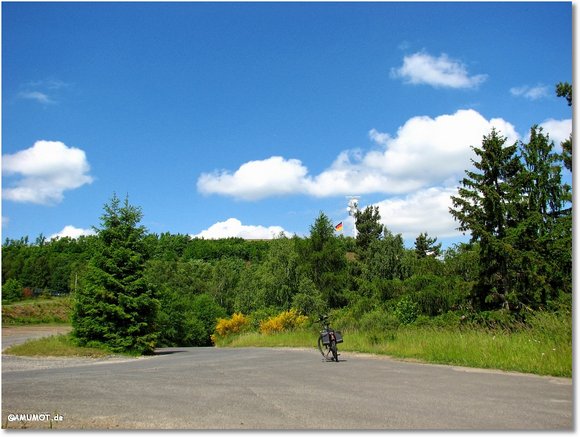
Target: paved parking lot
<point>266,388</point>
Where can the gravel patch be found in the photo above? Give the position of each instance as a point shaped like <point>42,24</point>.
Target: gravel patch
<point>19,334</point>
<point>12,363</point>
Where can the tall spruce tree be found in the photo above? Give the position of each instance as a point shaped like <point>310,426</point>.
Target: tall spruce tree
<point>369,228</point>
<point>113,305</point>
<point>485,207</point>
<point>323,261</point>
<point>543,235</point>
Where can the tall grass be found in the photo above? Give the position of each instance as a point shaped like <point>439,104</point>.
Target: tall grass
<point>516,351</point>
<point>543,346</point>
<point>301,338</point>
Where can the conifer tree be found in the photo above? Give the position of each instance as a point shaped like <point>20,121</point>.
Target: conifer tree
<point>323,261</point>
<point>540,235</point>
<point>425,246</point>
<point>564,89</point>
<point>369,227</point>
<point>485,207</point>
<point>113,305</point>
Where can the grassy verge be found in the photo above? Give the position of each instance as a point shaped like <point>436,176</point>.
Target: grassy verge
<point>55,346</point>
<point>544,347</point>
<point>37,311</point>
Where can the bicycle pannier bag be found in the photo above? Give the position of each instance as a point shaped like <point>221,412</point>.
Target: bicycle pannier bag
<point>338,336</point>
<point>325,339</point>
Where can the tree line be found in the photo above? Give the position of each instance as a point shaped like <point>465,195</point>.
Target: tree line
<point>134,290</point>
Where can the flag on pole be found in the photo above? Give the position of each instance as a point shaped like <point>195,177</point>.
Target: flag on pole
<point>338,227</point>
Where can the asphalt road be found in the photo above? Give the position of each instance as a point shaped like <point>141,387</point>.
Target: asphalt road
<point>265,388</point>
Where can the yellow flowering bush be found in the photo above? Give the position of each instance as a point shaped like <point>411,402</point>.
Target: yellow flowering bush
<point>234,325</point>
<point>285,321</point>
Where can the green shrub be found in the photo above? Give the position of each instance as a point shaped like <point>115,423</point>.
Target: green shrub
<point>12,291</point>
<point>450,320</point>
<point>258,316</point>
<point>207,312</point>
<point>309,299</point>
<point>379,320</point>
<point>494,320</point>
<point>406,310</point>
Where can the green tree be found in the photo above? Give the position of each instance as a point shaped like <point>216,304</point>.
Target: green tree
<point>205,309</point>
<point>226,277</point>
<point>249,295</point>
<point>12,291</point>
<point>425,246</point>
<point>564,89</point>
<point>278,274</point>
<point>114,306</point>
<point>368,226</point>
<point>323,260</point>
<point>485,207</point>
<point>462,260</point>
<point>308,300</point>
<point>385,259</point>
<point>539,223</point>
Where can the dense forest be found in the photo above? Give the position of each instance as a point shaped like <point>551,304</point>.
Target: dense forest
<point>134,290</point>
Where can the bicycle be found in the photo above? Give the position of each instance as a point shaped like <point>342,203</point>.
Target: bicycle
<point>328,340</point>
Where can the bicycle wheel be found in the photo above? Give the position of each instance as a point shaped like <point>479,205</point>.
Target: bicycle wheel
<point>323,348</point>
<point>334,350</point>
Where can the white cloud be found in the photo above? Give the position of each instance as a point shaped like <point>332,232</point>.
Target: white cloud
<point>256,179</point>
<point>531,93</point>
<point>234,228</point>
<point>559,130</point>
<point>37,96</point>
<point>430,150</point>
<point>48,169</point>
<point>422,68</point>
<point>379,138</point>
<point>71,232</point>
<point>43,91</point>
<point>424,211</point>
<point>424,152</point>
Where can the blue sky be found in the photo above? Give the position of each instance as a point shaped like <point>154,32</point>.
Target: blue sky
<point>247,119</point>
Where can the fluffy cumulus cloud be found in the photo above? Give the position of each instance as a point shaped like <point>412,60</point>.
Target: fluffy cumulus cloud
<point>256,179</point>
<point>559,130</point>
<point>423,69</point>
<point>431,150</point>
<point>46,170</point>
<point>71,232</point>
<point>234,228</point>
<point>426,210</point>
<point>424,152</point>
